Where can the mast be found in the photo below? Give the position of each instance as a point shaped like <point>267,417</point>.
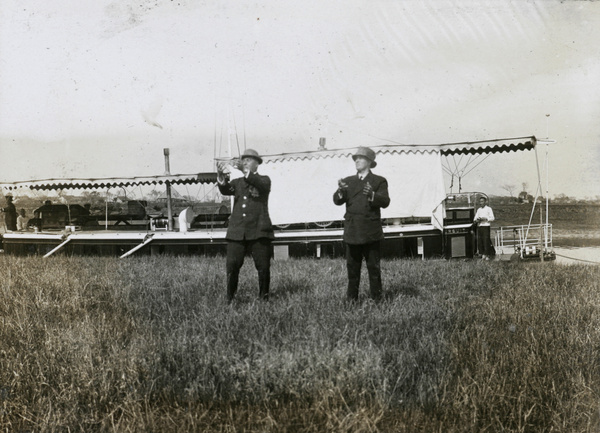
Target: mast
<point>546,234</point>
<point>547,169</point>
<point>547,226</point>
<point>539,190</point>
<point>168,186</point>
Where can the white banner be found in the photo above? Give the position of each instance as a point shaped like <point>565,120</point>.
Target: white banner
<point>302,190</point>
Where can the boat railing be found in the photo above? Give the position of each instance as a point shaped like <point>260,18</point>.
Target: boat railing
<point>527,241</point>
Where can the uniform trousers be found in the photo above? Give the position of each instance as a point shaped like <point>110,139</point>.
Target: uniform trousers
<point>261,253</point>
<point>483,240</point>
<point>371,252</point>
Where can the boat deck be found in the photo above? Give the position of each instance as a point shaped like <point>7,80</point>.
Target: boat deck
<point>204,241</point>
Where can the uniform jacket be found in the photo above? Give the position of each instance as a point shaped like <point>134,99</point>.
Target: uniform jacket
<point>250,216</point>
<point>362,221</point>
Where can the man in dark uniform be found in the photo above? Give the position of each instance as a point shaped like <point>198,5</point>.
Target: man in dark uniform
<point>10,213</point>
<point>364,195</point>
<point>250,228</point>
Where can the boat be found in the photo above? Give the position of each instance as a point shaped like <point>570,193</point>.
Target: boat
<point>423,219</point>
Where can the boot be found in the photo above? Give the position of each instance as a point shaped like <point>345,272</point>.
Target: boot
<point>232,283</point>
<point>264,281</point>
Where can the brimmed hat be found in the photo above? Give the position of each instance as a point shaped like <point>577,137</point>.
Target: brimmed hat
<point>367,153</point>
<point>251,153</point>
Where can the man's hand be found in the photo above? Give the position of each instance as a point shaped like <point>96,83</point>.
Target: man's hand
<point>237,164</point>
<point>342,184</point>
<point>368,190</point>
<point>221,172</point>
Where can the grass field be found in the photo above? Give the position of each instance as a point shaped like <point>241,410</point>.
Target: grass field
<point>562,216</point>
<point>149,345</point>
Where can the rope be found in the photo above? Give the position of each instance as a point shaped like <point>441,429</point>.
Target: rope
<point>221,140</point>
<point>206,193</point>
<point>469,161</point>
<point>446,167</point>
<point>244,123</point>
<point>578,260</point>
<point>215,142</point>
<point>237,140</point>
<point>476,165</point>
<point>472,162</point>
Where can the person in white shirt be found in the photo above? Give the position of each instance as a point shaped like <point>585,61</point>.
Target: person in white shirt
<point>483,217</point>
<point>22,221</point>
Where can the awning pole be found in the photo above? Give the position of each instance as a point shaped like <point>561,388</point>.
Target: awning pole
<point>547,226</point>
<point>168,184</point>
<point>106,210</point>
<point>537,164</point>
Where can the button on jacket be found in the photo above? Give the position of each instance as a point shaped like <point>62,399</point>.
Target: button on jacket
<point>250,216</point>
<point>362,223</point>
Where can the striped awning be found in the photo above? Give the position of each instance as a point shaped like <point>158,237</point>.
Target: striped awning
<point>489,146</point>
<point>111,182</point>
<point>445,149</point>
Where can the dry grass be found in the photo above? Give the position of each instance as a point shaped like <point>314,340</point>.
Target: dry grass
<point>148,344</point>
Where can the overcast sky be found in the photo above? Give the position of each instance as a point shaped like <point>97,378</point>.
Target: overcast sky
<point>98,88</point>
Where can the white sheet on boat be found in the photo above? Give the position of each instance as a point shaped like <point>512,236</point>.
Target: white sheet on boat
<point>302,187</point>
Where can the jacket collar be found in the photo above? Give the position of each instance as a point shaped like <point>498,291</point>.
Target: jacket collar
<point>366,176</point>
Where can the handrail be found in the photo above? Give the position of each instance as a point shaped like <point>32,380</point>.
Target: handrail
<point>520,242</point>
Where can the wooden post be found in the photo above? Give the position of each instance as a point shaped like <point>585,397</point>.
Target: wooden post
<point>168,184</point>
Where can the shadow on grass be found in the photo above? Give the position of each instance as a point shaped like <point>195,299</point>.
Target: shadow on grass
<point>287,289</point>
<point>247,294</point>
<point>393,291</point>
